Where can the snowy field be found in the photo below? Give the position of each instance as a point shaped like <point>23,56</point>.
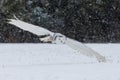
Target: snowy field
<point>57,62</point>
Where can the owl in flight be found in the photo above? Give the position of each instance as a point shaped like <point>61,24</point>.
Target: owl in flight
<point>56,38</point>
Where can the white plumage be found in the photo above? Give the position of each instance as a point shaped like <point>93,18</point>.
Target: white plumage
<point>31,28</point>
<point>57,38</point>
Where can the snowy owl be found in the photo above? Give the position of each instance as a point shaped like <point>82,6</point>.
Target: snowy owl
<point>56,38</point>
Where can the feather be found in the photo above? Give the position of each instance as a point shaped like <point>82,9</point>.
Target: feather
<point>29,27</point>
<point>85,50</point>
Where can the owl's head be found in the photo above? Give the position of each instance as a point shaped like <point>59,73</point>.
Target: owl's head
<point>59,38</point>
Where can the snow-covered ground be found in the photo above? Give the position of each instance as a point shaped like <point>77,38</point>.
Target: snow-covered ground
<point>110,51</point>
<point>57,62</point>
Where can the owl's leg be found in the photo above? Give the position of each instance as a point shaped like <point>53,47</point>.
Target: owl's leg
<point>46,39</point>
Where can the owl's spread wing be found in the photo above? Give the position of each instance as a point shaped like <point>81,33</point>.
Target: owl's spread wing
<point>85,50</point>
<point>31,28</point>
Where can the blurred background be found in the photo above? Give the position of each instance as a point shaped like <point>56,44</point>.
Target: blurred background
<point>88,21</point>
